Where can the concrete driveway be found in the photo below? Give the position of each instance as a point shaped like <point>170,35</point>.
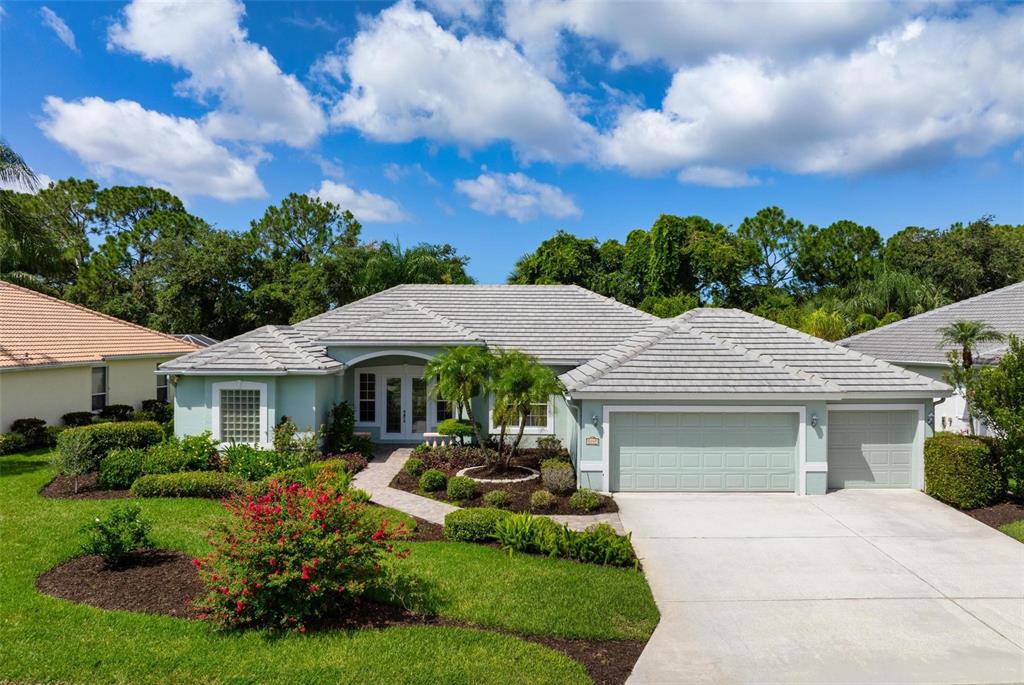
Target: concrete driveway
<point>858,586</point>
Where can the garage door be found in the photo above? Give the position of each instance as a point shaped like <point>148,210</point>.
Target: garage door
<point>870,449</point>
<point>706,451</point>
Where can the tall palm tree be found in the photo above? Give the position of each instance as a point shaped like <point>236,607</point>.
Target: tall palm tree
<point>21,243</point>
<point>966,335</point>
<point>521,382</point>
<point>462,373</point>
<point>14,170</point>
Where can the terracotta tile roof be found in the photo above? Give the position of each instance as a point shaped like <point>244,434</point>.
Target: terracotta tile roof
<point>38,330</point>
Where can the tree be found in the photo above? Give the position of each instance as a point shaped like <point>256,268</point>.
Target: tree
<point>389,265</point>
<point>668,306</point>
<point>24,247</point>
<point>824,324</point>
<point>836,256</point>
<point>892,292</point>
<point>772,236</point>
<point>562,258</point>
<point>462,373</point>
<point>519,383</point>
<point>997,398</point>
<point>966,335</point>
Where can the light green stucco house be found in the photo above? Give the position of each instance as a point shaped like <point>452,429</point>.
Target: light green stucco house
<point>712,400</point>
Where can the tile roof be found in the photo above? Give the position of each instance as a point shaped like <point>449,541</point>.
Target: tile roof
<point>727,351</point>
<point>197,339</point>
<point>410,322</point>
<point>270,350</point>
<point>917,339</point>
<point>39,330</point>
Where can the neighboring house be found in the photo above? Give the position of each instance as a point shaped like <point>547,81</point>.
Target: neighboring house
<point>197,339</point>
<point>916,344</point>
<point>715,399</point>
<point>57,357</point>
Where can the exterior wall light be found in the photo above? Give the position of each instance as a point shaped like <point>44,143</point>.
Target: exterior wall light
<point>595,420</point>
<point>814,420</point>
<point>931,419</point>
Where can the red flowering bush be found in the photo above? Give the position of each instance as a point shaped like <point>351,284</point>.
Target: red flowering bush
<point>291,556</point>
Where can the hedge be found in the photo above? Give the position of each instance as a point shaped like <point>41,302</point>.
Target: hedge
<point>104,437</point>
<point>473,525</point>
<point>121,467</point>
<point>962,471</point>
<point>12,442</point>
<point>189,484</point>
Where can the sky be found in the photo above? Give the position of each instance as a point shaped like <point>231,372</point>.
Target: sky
<point>491,125</point>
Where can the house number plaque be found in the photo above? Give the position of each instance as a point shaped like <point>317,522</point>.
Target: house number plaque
<point>593,442</point>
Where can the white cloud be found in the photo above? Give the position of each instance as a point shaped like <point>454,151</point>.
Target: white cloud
<point>409,78</point>
<point>686,33</point>
<point>927,91</point>
<point>469,10</point>
<point>172,152</point>
<point>716,177</point>
<point>257,101</point>
<point>395,172</point>
<point>368,208</point>
<point>42,181</point>
<point>65,34</point>
<point>516,195</point>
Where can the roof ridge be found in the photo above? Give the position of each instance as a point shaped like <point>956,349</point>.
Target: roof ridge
<point>620,353</point>
<point>348,304</point>
<point>612,300</point>
<point>837,346</point>
<point>446,321</point>
<point>285,333</point>
<point>85,309</point>
<point>766,358</point>
<point>930,312</point>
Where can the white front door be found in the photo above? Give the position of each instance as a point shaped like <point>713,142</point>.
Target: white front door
<point>405,406</point>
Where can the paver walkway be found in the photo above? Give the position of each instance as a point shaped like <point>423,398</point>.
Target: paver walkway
<point>379,473</point>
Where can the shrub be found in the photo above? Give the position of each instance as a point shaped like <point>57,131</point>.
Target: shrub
<point>454,457</point>
<point>541,500</point>
<point>433,480</point>
<point>122,532</point>
<point>549,445</point>
<point>354,461</point>
<point>585,500</point>
<point>34,431</point>
<point>161,411</point>
<point>557,476</point>
<point>473,525</point>
<point>962,471</point>
<point>359,496</point>
<point>12,442</point>
<point>75,454</point>
<point>292,556</point>
<point>284,435</point>
<point>598,544</point>
<point>457,428</point>
<point>52,433</point>
<point>252,463</point>
<point>340,427</point>
<point>142,415</point>
<point>189,484</point>
<point>461,488</point>
<point>414,467</point>
<point>523,532</point>
<point>174,455</point>
<point>78,418</point>
<point>104,437</point>
<point>421,448</point>
<point>117,412</point>
<point>121,467</point>
<point>307,475</point>
<point>997,397</point>
<point>500,499</point>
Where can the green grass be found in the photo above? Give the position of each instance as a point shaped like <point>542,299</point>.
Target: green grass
<point>46,639</point>
<point>1014,529</point>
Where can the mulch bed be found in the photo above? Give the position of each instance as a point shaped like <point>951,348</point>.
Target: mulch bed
<point>63,487</point>
<point>165,582</point>
<point>998,514</point>
<point>519,492</point>
<point>426,531</point>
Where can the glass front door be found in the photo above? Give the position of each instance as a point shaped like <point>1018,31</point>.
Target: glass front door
<point>405,407</point>
<point>394,416</point>
<point>419,406</point>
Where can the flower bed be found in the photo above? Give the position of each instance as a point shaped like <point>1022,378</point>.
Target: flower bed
<point>519,493</point>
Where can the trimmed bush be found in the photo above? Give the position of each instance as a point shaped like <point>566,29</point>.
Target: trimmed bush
<point>292,556</point>
<point>122,532</point>
<point>461,488</point>
<point>585,500</point>
<point>34,431</point>
<point>557,476</point>
<point>117,412</point>
<point>52,433</point>
<point>171,457</point>
<point>541,500</point>
<point>421,448</point>
<point>549,445</point>
<point>78,418</point>
<point>121,467</point>
<point>160,410</point>
<point>473,525</point>
<point>433,480</point>
<point>189,484</point>
<point>414,467</point>
<point>103,437</point>
<point>500,499</point>
<point>12,442</point>
<point>962,471</point>
<point>456,457</point>
<point>252,463</point>
<point>457,428</point>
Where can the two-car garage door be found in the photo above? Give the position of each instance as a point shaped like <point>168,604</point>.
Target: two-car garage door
<point>703,451</point>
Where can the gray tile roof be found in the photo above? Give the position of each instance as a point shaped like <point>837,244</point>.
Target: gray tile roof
<point>917,339</point>
<point>266,350</point>
<point>409,322</point>
<point>727,351</point>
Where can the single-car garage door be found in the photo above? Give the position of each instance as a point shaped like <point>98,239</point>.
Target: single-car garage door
<point>703,451</point>
<point>871,449</point>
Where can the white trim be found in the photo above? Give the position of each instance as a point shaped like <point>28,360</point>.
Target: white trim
<point>239,385</point>
<point>407,373</point>
<point>548,429</point>
<point>801,436</point>
<point>386,353</point>
<point>917,465</point>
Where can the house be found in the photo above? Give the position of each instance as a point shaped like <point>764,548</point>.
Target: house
<point>916,344</point>
<point>57,357</point>
<point>715,399</point>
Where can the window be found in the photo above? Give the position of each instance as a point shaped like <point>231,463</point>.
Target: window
<point>444,410</point>
<point>367,397</point>
<point>538,417</point>
<point>99,388</point>
<point>161,387</point>
<point>240,416</point>
<point>538,421</point>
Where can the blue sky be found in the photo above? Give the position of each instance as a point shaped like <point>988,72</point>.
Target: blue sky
<point>491,125</point>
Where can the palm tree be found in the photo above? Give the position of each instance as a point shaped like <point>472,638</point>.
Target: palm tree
<point>21,241</point>
<point>462,373</point>
<point>520,383</point>
<point>14,170</point>
<point>966,335</point>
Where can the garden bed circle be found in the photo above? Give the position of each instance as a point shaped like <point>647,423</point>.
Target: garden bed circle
<point>533,473</point>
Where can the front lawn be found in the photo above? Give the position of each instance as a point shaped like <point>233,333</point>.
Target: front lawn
<point>46,639</point>
<point>1015,530</point>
